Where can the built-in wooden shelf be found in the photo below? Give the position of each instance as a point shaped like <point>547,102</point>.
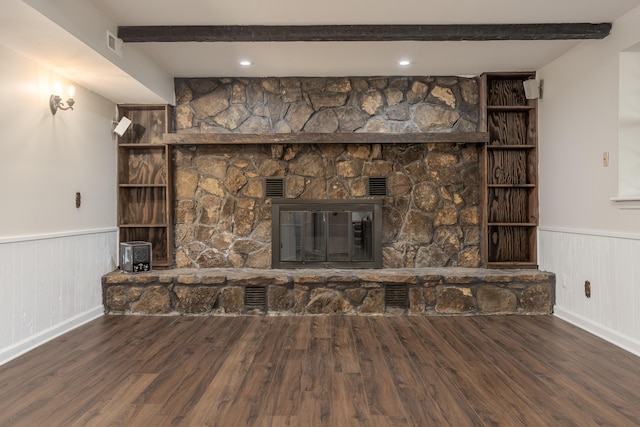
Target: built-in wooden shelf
<point>511,185</point>
<point>512,224</point>
<point>327,138</point>
<point>144,181</point>
<point>158,145</point>
<point>510,147</point>
<point>510,172</point>
<point>512,265</point>
<point>142,185</point>
<point>143,225</point>
<point>509,108</point>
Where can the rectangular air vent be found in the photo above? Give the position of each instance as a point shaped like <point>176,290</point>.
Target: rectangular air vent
<point>255,296</point>
<point>396,295</point>
<point>114,44</point>
<point>274,187</point>
<point>377,186</point>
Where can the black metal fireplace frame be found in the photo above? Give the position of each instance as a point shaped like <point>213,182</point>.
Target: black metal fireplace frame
<point>348,205</point>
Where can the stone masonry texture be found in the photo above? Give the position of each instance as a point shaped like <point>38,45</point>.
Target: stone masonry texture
<point>430,291</point>
<point>431,215</point>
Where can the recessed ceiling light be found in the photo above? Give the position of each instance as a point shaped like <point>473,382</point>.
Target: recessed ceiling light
<point>404,62</point>
<point>245,63</point>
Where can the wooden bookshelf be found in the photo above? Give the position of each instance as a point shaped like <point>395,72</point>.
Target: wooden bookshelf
<point>144,181</point>
<point>510,172</point>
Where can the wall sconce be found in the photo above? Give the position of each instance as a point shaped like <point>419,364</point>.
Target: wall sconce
<point>56,103</point>
<point>122,125</point>
<point>533,88</point>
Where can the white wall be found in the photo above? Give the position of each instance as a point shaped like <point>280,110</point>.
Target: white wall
<point>84,22</point>
<point>52,254</point>
<point>629,125</point>
<point>583,234</point>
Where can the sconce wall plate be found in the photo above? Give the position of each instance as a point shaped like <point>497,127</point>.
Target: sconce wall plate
<point>56,103</point>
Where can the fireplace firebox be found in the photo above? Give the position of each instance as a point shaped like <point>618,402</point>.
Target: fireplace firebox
<point>326,233</point>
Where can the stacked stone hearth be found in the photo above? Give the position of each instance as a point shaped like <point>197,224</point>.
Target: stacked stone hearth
<point>433,291</point>
<point>431,213</point>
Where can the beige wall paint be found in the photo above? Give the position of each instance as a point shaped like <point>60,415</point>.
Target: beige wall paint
<point>629,125</point>
<point>578,120</point>
<point>46,159</point>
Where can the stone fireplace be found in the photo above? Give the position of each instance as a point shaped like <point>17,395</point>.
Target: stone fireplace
<point>431,208</point>
<point>231,189</point>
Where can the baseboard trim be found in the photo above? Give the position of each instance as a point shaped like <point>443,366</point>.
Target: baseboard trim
<point>625,342</point>
<point>26,345</point>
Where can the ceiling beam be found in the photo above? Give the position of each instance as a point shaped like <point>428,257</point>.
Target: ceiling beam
<point>362,33</point>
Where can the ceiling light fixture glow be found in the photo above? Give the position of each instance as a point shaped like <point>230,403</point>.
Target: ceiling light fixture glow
<point>245,63</point>
<point>404,62</point>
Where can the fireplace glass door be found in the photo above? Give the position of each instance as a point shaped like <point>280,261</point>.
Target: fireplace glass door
<point>323,234</point>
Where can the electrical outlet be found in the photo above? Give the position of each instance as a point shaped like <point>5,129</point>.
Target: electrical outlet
<point>564,280</point>
<point>587,289</point>
<point>605,159</point>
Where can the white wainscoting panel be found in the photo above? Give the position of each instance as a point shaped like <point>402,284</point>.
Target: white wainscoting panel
<point>611,263</point>
<point>51,284</point>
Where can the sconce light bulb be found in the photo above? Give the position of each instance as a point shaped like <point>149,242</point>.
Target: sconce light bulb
<point>57,89</point>
<point>71,90</point>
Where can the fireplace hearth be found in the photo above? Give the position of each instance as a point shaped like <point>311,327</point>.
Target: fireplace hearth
<point>367,292</point>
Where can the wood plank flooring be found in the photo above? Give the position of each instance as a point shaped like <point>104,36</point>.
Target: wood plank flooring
<point>323,371</point>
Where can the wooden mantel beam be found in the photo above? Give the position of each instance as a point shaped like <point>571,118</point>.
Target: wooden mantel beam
<point>326,138</point>
<point>362,33</point>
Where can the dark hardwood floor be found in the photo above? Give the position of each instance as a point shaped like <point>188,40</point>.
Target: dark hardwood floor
<point>323,371</point>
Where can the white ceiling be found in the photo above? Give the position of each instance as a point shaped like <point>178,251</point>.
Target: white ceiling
<point>72,45</point>
<point>305,12</point>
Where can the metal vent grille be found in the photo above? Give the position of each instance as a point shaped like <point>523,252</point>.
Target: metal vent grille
<point>274,187</point>
<point>377,186</point>
<point>396,295</point>
<point>255,296</point>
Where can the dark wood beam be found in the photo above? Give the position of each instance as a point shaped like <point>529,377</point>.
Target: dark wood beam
<point>326,138</point>
<point>358,33</point>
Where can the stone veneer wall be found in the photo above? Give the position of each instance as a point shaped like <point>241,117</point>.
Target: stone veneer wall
<point>431,214</point>
<point>432,291</point>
